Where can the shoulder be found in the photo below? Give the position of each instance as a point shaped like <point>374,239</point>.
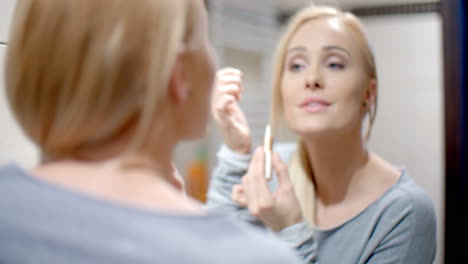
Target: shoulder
<point>9,173</point>
<point>408,194</point>
<point>405,198</point>
<point>420,201</point>
<point>408,203</point>
<point>404,219</point>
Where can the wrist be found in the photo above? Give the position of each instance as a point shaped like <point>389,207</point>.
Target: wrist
<point>241,149</point>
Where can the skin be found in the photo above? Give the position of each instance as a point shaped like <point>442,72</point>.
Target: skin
<point>227,113</point>
<point>156,185</point>
<point>323,62</point>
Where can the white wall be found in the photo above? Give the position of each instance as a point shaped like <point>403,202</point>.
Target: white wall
<point>256,98</point>
<point>244,34</point>
<point>6,11</point>
<point>14,146</point>
<point>409,126</point>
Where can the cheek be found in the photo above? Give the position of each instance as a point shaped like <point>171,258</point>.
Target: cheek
<point>350,107</point>
<point>348,86</point>
<point>289,89</point>
<point>289,109</point>
<point>353,99</point>
<point>286,100</point>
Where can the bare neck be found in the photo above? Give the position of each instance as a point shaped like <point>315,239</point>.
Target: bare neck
<point>337,165</point>
<point>152,185</point>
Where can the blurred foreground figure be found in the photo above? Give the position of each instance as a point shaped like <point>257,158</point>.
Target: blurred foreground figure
<point>106,89</point>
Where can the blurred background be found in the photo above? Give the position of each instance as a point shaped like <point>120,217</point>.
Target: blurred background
<point>406,36</point>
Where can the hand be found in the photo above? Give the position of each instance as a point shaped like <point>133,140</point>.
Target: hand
<point>227,113</point>
<point>276,210</point>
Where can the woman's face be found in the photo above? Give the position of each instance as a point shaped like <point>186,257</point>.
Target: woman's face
<point>324,82</point>
<point>202,72</point>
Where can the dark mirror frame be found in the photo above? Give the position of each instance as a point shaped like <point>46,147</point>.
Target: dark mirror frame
<point>454,22</point>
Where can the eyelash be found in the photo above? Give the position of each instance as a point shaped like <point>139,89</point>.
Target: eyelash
<point>294,67</point>
<point>336,66</point>
<point>298,66</point>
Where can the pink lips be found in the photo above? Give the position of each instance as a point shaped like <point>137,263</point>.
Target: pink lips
<point>314,104</point>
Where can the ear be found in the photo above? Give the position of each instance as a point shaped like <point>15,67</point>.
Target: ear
<point>371,94</point>
<point>178,89</point>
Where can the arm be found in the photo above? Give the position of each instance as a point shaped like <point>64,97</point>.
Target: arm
<point>300,238</point>
<point>234,156</point>
<point>228,172</point>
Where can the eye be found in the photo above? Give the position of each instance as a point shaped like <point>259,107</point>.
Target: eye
<point>335,63</point>
<point>295,67</point>
<point>335,66</point>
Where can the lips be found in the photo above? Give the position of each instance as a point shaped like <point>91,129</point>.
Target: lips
<point>314,104</point>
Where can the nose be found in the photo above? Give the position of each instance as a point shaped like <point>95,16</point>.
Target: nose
<point>314,79</point>
<point>313,85</point>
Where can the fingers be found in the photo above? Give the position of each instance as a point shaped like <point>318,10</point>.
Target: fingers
<point>223,103</point>
<point>278,210</point>
<point>227,112</point>
<point>229,81</point>
<point>227,92</point>
<point>238,195</point>
<point>228,71</point>
<point>230,88</point>
<point>258,179</point>
<point>256,187</point>
<point>280,168</point>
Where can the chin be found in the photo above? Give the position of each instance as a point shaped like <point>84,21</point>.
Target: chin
<point>312,133</point>
<point>311,130</point>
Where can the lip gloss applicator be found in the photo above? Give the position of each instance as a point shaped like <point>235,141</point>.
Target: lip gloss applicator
<point>267,147</point>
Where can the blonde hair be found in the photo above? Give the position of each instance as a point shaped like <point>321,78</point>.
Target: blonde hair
<point>80,74</point>
<point>300,170</point>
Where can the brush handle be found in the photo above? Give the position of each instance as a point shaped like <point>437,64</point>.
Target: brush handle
<point>267,147</point>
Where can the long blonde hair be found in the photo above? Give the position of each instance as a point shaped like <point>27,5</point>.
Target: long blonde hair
<point>80,73</point>
<point>300,170</point>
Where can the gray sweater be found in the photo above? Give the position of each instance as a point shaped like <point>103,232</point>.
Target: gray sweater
<point>41,223</point>
<point>399,227</point>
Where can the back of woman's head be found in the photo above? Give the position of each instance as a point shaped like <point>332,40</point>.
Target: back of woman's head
<point>80,73</point>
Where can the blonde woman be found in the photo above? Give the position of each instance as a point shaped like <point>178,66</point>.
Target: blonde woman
<point>338,202</point>
<point>103,88</point>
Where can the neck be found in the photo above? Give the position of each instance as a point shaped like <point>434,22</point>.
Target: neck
<point>111,158</point>
<point>148,183</point>
<point>337,163</point>
<point>160,166</point>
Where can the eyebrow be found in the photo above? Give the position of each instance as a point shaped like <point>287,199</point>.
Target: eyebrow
<point>303,49</point>
<point>338,48</point>
<point>296,49</point>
